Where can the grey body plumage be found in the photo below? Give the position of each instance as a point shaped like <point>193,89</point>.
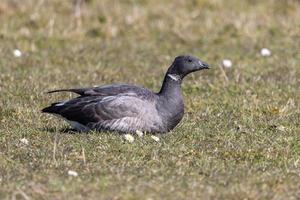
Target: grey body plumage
<point>127,108</point>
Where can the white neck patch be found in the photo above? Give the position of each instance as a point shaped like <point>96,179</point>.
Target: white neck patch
<point>174,77</point>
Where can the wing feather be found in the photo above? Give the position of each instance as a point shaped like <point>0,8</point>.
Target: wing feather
<point>107,90</point>
<point>111,107</point>
<point>119,113</point>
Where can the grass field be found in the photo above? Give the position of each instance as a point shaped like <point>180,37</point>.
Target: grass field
<point>240,136</point>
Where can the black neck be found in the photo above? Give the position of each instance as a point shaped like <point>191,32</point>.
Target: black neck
<point>171,85</point>
<point>170,102</point>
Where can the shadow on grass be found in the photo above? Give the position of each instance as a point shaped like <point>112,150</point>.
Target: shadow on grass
<point>71,131</point>
<point>65,130</point>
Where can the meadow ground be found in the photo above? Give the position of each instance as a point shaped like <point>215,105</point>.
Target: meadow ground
<point>239,138</point>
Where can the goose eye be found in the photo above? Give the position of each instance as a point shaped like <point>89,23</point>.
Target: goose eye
<point>189,60</point>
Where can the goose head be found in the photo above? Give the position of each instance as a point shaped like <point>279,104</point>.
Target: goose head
<point>184,65</point>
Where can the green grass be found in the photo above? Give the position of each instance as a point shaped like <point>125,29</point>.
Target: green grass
<point>239,138</point>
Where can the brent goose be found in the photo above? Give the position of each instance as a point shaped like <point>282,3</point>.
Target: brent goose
<point>128,108</point>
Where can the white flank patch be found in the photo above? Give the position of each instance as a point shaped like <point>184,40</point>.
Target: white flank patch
<point>155,138</point>
<point>72,173</point>
<point>129,138</point>
<point>227,63</point>
<point>174,77</point>
<point>61,103</point>
<point>77,126</point>
<point>139,133</point>
<point>108,98</point>
<point>17,53</point>
<point>24,141</point>
<point>265,52</point>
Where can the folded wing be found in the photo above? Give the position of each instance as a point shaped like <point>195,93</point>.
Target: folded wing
<point>108,90</point>
<point>123,112</point>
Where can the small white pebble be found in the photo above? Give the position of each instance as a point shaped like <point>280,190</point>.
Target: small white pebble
<point>113,31</point>
<point>24,141</point>
<point>265,52</point>
<point>281,128</point>
<point>139,133</point>
<point>17,53</point>
<point>72,173</point>
<point>155,138</point>
<point>129,19</point>
<point>227,63</point>
<point>129,138</point>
